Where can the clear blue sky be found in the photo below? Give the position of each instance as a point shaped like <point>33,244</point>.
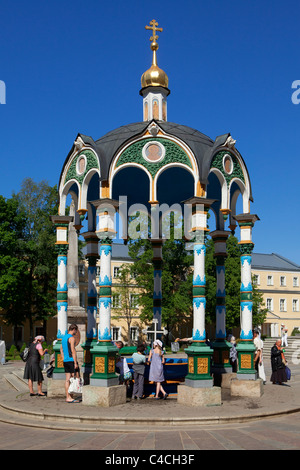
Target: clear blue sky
<point>74,66</point>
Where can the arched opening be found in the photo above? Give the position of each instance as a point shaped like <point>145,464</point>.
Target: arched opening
<point>131,185</point>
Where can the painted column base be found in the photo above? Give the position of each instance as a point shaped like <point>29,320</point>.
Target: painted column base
<point>87,367</point>
<point>59,370</point>
<point>199,362</point>
<point>104,382</point>
<point>246,369</point>
<point>221,360</point>
<point>104,396</point>
<point>205,383</point>
<point>104,364</point>
<point>247,388</point>
<point>199,396</point>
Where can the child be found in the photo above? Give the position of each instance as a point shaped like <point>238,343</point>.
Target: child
<point>139,361</point>
<point>156,373</point>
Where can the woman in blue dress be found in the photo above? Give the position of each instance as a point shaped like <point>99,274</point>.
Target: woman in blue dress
<point>156,373</point>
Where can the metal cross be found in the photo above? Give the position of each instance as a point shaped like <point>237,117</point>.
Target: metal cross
<point>154,28</point>
<point>155,331</point>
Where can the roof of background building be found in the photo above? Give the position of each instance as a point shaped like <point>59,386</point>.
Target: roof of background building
<point>274,262</point>
<point>271,262</point>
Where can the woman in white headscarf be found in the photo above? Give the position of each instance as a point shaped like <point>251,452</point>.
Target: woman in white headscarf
<point>32,370</point>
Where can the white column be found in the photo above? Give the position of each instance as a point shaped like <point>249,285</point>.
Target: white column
<point>199,300</point>
<point>105,281</point>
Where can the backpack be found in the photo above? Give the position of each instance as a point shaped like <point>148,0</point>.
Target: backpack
<point>24,355</point>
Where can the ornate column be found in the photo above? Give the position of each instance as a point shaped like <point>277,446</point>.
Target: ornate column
<point>91,337</point>
<point>246,348</point>
<point>199,354</point>
<point>104,352</point>
<point>61,223</point>
<point>157,291</point>
<point>221,346</point>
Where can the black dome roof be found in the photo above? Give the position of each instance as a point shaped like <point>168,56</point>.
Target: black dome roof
<point>200,144</point>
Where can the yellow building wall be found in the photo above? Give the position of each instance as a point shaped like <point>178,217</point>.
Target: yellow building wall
<point>282,288</point>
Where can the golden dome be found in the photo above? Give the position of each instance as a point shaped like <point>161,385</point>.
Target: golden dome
<point>154,76</point>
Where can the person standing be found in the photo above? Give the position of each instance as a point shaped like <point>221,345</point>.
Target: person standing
<point>32,371</point>
<point>139,362</point>
<point>257,344</point>
<point>233,354</point>
<point>69,357</point>
<point>261,368</point>
<point>278,364</point>
<point>284,341</point>
<point>156,374</point>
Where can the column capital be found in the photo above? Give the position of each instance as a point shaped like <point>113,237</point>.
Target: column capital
<point>246,219</point>
<point>195,200</point>
<point>61,220</point>
<point>105,202</point>
<point>90,236</point>
<point>218,235</point>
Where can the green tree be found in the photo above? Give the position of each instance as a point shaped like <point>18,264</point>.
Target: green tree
<point>38,201</point>
<point>14,272</point>
<point>176,280</point>
<point>125,289</point>
<point>232,286</point>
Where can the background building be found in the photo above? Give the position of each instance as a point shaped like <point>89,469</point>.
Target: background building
<point>279,280</point>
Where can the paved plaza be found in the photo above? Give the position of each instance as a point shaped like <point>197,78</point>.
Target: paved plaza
<point>38,423</point>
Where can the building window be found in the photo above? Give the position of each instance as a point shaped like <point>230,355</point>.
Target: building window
<point>256,279</point>
<point>116,333</point>
<point>134,300</point>
<point>270,305</point>
<point>116,271</point>
<point>134,333</point>
<point>270,280</point>
<point>282,281</point>
<point>295,305</point>
<point>39,331</point>
<point>295,282</point>
<point>116,301</point>
<point>282,305</point>
<point>18,335</point>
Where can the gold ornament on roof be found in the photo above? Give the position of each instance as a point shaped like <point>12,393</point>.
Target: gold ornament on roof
<point>154,76</point>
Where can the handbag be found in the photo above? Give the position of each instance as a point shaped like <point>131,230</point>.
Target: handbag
<point>76,384</point>
<point>288,372</point>
<point>24,355</point>
<point>49,372</point>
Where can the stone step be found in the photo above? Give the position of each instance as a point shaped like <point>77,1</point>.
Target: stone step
<point>16,383</point>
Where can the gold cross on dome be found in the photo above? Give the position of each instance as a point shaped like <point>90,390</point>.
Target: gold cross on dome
<point>154,28</point>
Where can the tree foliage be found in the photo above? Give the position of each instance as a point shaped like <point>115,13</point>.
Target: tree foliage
<point>28,264</point>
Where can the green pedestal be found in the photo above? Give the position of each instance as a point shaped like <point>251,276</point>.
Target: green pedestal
<point>87,366</point>
<point>221,360</point>
<point>104,364</point>
<point>199,365</point>
<point>246,369</point>
<point>87,356</point>
<point>59,370</point>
